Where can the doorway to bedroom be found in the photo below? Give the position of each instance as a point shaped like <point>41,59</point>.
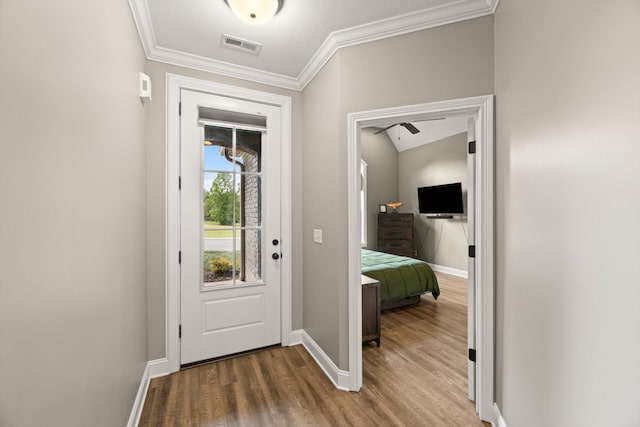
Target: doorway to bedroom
<point>424,346</point>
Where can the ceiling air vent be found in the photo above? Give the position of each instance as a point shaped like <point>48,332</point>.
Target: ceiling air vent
<point>241,44</point>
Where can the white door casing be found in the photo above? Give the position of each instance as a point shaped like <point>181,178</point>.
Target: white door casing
<point>481,108</point>
<point>175,83</point>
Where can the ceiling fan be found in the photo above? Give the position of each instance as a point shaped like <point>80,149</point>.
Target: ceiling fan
<point>408,126</point>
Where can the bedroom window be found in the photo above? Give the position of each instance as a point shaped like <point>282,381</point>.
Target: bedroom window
<point>363,203</point>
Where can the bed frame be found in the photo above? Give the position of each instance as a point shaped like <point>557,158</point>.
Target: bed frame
<point>388,305</point>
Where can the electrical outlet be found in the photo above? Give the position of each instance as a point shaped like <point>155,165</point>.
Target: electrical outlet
<point>317,236</point>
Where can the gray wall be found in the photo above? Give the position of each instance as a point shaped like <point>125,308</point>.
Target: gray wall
<point>324,171</point>
<point>155,157</point>
<point>438,241</point>
<point>72,214</point>
<point>452,61</point>
<point>568,239</point>
<point>382,177</point>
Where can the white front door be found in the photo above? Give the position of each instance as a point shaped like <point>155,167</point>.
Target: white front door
<point>229,226</point>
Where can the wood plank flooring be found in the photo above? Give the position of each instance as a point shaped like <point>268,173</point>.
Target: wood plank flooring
<point>418,377</point>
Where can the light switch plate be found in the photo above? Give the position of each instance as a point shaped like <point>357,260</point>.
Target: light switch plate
<point>317,235</point>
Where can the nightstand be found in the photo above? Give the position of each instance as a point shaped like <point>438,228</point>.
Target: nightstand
<point>370,309</point>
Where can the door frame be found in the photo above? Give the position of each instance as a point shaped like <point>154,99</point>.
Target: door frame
<point>482,109</point>
<point>174,84</point>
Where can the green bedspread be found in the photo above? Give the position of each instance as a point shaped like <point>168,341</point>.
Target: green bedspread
<point>399,276</point>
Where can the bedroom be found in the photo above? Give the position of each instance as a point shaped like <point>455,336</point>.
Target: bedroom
<point>395,163</point>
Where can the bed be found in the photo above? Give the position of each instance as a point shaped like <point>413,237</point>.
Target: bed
<point>402,279</point>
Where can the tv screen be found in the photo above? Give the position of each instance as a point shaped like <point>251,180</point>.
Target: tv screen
<point>441,199</point>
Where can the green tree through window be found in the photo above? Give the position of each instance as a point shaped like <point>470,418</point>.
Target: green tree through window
<point>219,200</point>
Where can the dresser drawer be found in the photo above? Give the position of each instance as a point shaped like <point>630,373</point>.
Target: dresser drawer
<point>393,233</point>
<point>395,219</point>
<point>399,247</point>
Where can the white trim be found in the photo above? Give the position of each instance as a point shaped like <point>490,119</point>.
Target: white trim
<point>482,108</point>
<point>499,421</point>
<point>295,337</point>
<point>153,369</point>
<point>158,368</point>
<point>142,19</point>
<point>449,270</point>
<point>484,260</point>
<point>187,60</point>
<point>172,146</point>
<point>338,377</point>
<point>138,403</point>
<point>460,10</point>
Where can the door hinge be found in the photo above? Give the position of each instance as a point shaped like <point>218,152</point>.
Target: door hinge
<point>179,331</point>
<point>472,354</point>
<point>179,257</point>
<point>472,251</point>
<point>179,183</point>
<point>472,147</point>
<point>180,108</point>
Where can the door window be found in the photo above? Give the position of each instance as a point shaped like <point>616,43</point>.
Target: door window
<point>232,206</point>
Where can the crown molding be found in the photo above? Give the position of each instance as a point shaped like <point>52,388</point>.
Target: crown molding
<point>141,17</point>
<point>460,10</point>
<point>174,57</point>
<point>398,25</point>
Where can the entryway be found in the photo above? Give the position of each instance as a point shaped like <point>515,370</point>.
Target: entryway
<point>228,220</point>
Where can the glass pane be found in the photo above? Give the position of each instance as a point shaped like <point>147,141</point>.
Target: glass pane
<point>249,263</point>
<point>218,199</point>
<point>249,201</point>
<point>218,267</point>
<point>218,153</point>
<point>249,151</point>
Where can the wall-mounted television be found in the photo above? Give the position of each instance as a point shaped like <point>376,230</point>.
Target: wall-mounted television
<point>441,200</point>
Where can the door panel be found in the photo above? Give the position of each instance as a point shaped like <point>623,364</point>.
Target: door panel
<point>230,209</point>
<point>471,294</point>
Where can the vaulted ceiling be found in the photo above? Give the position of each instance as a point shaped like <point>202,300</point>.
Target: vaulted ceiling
<point>295,44</point>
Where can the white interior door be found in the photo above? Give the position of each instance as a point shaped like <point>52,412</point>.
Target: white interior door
<point>229,226</point>
<point>471,294</point>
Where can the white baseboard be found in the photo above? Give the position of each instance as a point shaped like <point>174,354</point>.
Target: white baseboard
<point>295,338</point>
<point>138,404</point>
<point>159,368</point>
<point>339,378</point>
<point>449,270</point>
<point>155,368</point>
<point>498,417</point>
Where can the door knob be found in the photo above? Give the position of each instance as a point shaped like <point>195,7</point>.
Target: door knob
<point>275,256</point>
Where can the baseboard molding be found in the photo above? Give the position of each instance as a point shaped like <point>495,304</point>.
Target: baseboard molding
<point>498,417</point>
<point>155,368</point>
<point>138,404</point>
<point>449,270</point>
<point>295,337</point>
<point>339,378</point>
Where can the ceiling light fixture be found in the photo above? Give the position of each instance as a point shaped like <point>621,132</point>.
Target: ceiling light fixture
<point>255,11</point>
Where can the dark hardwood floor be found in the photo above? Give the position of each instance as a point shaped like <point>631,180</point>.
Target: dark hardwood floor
<point>418,377</point>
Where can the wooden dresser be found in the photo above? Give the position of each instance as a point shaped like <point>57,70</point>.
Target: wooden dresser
<point>395,233</point>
